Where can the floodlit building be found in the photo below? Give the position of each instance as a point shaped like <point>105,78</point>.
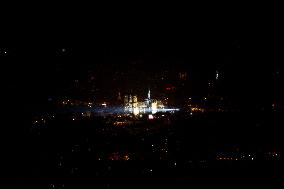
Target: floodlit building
<point>132,105</point>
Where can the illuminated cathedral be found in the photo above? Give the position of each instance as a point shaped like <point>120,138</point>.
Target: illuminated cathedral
<point>132,105</point>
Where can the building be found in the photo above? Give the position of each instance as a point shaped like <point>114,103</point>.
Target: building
<point>132,105</point>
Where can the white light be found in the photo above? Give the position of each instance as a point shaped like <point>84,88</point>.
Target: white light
<point>151,170</point>
<point>205,98</point>
<point>163,115</point>
<point>73,119</point>
<point>154,107</point>
<point>152,145</point>
<point>103,104</point>
<point>150,116</point>
<point>136,111</point>
<point>175,164</point>
<point>190,113</point>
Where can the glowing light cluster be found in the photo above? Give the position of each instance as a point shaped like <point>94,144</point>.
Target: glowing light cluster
<point>196,109</point>
<point>152,106</point>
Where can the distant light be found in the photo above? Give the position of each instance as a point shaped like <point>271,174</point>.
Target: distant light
<point>205,98</point>
<point>73,119</point>
<point>151,170</point>
<point>150,116</point>
<point>175,163</point>
<point>152,145</point>
<point>189,98</point>
<point>191,113</point>
<point>163,115</point>
<point>63,50</point>
<point>103,104</point>
<point>136,111</point>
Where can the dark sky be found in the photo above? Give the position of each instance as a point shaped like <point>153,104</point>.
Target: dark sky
<point>195,44</point>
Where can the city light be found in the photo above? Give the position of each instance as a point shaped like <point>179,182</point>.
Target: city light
<point>195,109</point>
<point>217,75</point>
<point>85,107</point>
<point>136,111</point>
<point>152,106</point>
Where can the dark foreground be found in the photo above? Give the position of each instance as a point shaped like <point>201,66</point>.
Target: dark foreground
<point>214,149</point>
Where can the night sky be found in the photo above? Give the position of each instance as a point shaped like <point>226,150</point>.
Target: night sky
<point>38,67</point>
